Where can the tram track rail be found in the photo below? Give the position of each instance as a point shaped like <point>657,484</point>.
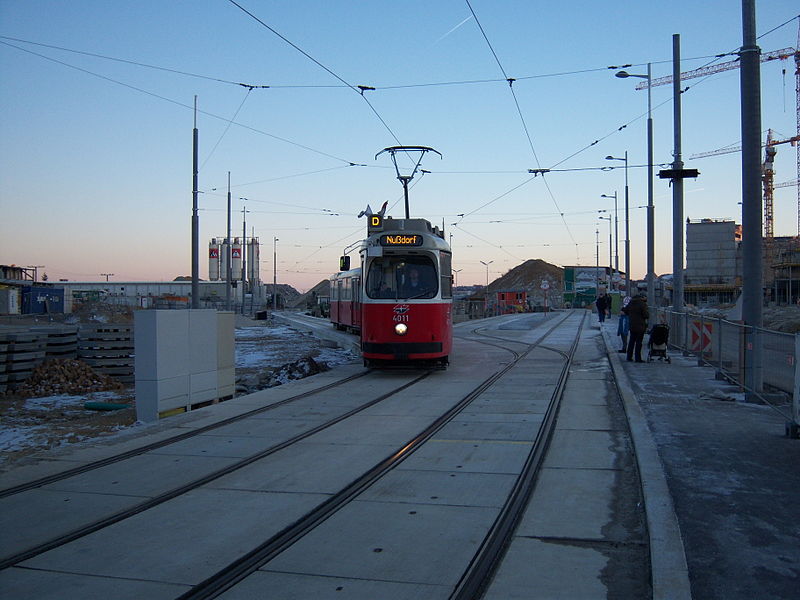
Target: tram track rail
<point>121,515</point>
<point>240,569</point>
<point>477,576</point>
<point>67,473</point>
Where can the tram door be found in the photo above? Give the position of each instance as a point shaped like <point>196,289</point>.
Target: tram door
<point>356,302</point>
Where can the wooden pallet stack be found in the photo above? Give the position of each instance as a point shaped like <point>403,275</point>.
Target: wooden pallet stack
<point>108,349</point>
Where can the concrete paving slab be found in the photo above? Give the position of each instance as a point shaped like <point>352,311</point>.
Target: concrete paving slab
<point>289,586</point>
<point>469,456</point>
<point>225,445</point>
<point>361,429</point>
<point>316,408</point>
<point>582,450</point>
<point>24,584</point>
<point>532,418</point>
<point>36,516</point>
<point>585,417</point>
<point>306,467</point>
<point>143,476</point>
<point>441,487</point>
<point>593,374</point>
<point>506,404</point>
<point>417,404</point>
<point>180,541</point>
<point>587,391</point>
<point>570,503</point>
<point>57,461</point>
<point>508,430</point>
<point>270,429</point>
<point>409,543</point>
<point>548,570</point>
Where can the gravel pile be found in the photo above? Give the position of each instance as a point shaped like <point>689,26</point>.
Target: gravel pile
<point>65,376</point>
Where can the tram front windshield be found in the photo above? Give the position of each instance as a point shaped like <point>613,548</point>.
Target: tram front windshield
<point>405,277</point>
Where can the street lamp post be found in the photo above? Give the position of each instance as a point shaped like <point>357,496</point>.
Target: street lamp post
<point>486,295</point>
<point>627,228</point>
<point>610,266</point>
<point>596,263</point>
<point>616,232</point>
<point>651,292</point>
<point>455,274</point>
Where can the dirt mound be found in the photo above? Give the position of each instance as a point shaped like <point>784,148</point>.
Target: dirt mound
<point>65,376</point>
<point>529,277</point>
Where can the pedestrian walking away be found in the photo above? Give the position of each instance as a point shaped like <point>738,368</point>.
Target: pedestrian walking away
<point>638,314</point>
<point>623,324</point>
<point>603,304</point>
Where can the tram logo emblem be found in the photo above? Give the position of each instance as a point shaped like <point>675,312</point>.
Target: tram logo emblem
<point>401,309</point>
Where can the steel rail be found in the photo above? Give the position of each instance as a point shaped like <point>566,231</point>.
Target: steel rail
<point>241,568</point>
<point>61,475</point>
<point>477,576</point>
<point>183,489</point>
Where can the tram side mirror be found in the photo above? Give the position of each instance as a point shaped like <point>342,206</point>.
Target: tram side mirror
<point>344,263</point>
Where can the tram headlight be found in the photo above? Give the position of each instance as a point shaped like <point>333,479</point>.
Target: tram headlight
<point>401,329</point>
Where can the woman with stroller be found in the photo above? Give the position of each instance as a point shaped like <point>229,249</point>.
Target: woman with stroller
<point>638,314</point>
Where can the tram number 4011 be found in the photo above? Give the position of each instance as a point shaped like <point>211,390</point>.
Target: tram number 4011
<point>400,318</point>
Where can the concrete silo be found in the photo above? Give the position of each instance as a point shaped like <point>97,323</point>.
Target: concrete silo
<point>214,260</point>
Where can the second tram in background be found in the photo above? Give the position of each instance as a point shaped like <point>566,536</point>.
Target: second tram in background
<point>400,299</point>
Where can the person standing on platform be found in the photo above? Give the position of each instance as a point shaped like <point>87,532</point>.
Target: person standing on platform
<point>638,314</point>
<point>623,324</point>
<point>603,304</point>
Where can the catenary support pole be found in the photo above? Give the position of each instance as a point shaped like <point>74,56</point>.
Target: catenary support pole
<point>677,184</point>
<point>751,193</point>
<point>195,219</point>
<point>651,228</point>
<point>228,266</point>
<point>244,255</point>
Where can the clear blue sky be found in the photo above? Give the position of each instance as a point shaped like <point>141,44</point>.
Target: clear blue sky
<point>95,159</point>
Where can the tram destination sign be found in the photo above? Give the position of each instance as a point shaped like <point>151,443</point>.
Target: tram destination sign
<point>400,239</point>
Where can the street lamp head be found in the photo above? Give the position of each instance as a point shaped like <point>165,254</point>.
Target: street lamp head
<point>625,74</point>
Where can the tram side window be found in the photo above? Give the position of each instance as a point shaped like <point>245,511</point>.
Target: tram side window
<point>402,277</point>
<point>446,260</point>
<point>346,296</point>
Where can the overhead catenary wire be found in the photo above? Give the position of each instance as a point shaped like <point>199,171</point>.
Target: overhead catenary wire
<point>358,89</point>
<point>521,116</point>
<point>178,103</point>
<point>376,87</point>
<point>227,127</point>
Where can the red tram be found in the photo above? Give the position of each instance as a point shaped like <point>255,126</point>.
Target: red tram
<point>400,299</point>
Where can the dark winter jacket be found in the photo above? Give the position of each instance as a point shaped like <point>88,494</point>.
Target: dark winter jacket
<point>638,315</point>
<point>603,303</point>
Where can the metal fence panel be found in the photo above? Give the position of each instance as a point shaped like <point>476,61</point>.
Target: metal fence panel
<point>722,344</point>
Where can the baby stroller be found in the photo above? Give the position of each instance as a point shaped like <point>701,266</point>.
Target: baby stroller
<point>657,344</point>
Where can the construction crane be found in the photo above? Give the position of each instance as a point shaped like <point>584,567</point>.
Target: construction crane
<point>782,54</point>
<point>767,174</point>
